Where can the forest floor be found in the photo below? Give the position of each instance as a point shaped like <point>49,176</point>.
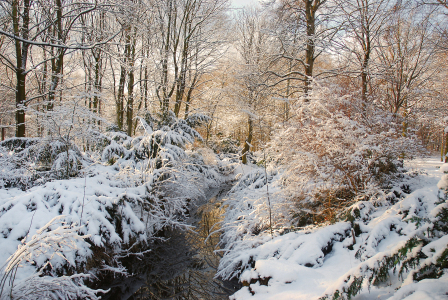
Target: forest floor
<point>317,261</point>
<point>371,250</point>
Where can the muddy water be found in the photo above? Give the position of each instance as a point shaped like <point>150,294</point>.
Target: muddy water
<point>184,265</point>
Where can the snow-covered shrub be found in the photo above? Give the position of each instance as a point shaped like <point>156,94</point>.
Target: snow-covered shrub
<point>333,153</point>
<point>164,142</point>
<point>137,188</point>
<point>67,164</point>
<point>50,249</point>
<point>33,161</point>
<point>159,154</point>
<point>113,152</point>
<point>47,158</point>
<point>15,171</point>
<point>394,246</point>
<point>256,210</point>
<point>417,258</point>
<point>117,216</point>
<point>226,145</point>
<point>443,183</point>
<point>421,253</point>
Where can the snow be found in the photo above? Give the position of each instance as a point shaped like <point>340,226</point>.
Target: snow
<point>444,168</point>
<point>243,169</point>
<point>83,201</point>
<point>115,202</point>
<point>303,265</point>
<point>430,289</point>
<point>109,201</point>
<point>443,183</point>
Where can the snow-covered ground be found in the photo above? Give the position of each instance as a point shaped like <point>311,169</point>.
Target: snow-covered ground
<point>330,261</point>
<point>87,224</point>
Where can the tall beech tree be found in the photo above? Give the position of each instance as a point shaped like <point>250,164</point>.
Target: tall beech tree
<point>304,32</point>
<point>364,23</point>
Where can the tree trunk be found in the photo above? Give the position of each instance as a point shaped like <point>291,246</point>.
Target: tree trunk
<point>405,118</point>
<point>446,148</point>
<point>97,82</point>
<point>21,59</point>
<point>190,95</point>
<point>367,49</point>
<point>310,11</point>
<point>120,95</point>
<point>165,101</point>
<point>120,98</point>
<point>20,103</point>
<point>58,62</point>
<point>248,140</point>
<point>130,104</point>
<point>442,146</point>
<point>146,88</point>
<point>57,71</point>
<point>180,90</point>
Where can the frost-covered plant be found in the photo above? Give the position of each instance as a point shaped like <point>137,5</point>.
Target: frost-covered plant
<point>117,217</point>
<point>41,250</point>
<point>158,160</point>
<point>64,130</point>
<point>46,158</point>
<point>16,171</point>
<point>224,145</point>
<point>163,140</point>
<point>160,152</point>
<point>423,255</point>
<point>334,153</point>
<point>393,243</point>
<point>256,211</point>
<point>138,187</point>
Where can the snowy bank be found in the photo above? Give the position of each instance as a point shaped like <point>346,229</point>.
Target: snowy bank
<point>391,247</point>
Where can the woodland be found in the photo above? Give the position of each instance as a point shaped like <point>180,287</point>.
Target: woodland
<point>325,122</point>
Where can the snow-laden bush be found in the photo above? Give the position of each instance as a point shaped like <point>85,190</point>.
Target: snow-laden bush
<point>39,159</point>
<point>65,129</point>
<point>123,191</point>
<point>50,245</point>
<point>334,153</point>
<point>159,158</point>
<point>421,253</point>
<point>255,212</point>
<point>119,213</point>
<point>224,145</point>
<point>393,246</point>
<point>109,210</point>
<point>164,140</point>
<point>15,171</point>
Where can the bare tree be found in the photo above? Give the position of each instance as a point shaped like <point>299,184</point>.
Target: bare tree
<point>188,44</point>
<point>364,23</point>
<point>407,60</point>
<point>250,85</point>
<point>50,26</point>
<point>304,32</point>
